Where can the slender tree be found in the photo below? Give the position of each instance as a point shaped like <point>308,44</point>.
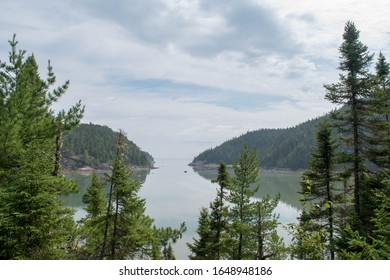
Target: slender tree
<point>269,244</point>
<point>243,210</point>
<point>219,214</point>
<point>352,91</point>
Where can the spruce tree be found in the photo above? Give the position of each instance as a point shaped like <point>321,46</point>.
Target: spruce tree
<point>352,92</point>
<point>93,222</point>
<point>200,248</point>
<point>318,185</point>
<point>33,222</point>
<point>379,123</point>
<point>219,214</point>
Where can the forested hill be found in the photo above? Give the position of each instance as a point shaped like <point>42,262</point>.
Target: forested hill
<point>95,146</point>
<point>287,148</point>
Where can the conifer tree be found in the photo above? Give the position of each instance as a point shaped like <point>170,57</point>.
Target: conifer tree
<point>128,230</point>
<point>318,184</point>
<point>352,91</point>
<point>269,244</point>
<point>379,123</point>
<point>200,248</point>
<point>243,210</point>
<point>219,214</point>
<point>33,222</point>
<point>93,223</point>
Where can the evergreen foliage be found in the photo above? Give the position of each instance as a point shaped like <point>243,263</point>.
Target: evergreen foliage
<point>318,187</point>
<point>94,145</point>
<point>128,230</point>
<point>287,148</point>
<point>93,223</point>
<point>353,91</point>
<point>33,222</point>
<point>239,227</point>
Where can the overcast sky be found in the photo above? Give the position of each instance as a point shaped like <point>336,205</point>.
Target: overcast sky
<point>181,76</point>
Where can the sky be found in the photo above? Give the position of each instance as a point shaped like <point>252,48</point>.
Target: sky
<point>182,76</point>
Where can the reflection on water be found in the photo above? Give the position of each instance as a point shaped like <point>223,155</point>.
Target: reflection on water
<point>175,193</point>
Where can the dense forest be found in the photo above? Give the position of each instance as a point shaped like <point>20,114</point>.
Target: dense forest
<point>285,148</point>
<point>94,146</point>
<point>346,204</point>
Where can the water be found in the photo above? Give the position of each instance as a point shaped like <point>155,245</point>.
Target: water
<point>175,193</point>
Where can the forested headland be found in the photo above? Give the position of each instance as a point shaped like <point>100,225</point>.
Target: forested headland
<point>346,204</point>
<point>92,145</point>
<point>283,148</point>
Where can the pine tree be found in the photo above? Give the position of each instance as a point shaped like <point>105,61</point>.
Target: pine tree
<point>243,210</point>
<point>33,222</point>
<point>352,91</point>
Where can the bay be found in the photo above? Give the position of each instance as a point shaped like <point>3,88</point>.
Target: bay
<point>175,193</point>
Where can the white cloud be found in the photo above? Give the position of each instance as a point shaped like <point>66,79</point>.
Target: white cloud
<point>182,76</point>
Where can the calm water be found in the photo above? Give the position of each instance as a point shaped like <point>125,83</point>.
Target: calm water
<point>175,193</point>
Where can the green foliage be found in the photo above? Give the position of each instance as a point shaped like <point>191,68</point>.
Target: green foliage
<point>318,185</point>
<point>307,240</point>
<point>353,91</point>
<point>372,247</point>
<point>200,248</point>
<point>237,226</point>
<point>288,148</point>
<point>93,223</point>
<point>33,222</point>
<point>269,244</point>
<point>94,145</point>
<point>128,233</point>
<point>243,210</point>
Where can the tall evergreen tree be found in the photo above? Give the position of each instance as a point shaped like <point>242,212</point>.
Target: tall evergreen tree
<point>93,223</point>
<point>33,222</point>
<point>243,210</point>
<point>318,184</point>
<point>200,248</point>
<point>269,244</point>
<point>219,214</point>
<point>128,230</point>
<point>352,91</point>
<point>379,124</point>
